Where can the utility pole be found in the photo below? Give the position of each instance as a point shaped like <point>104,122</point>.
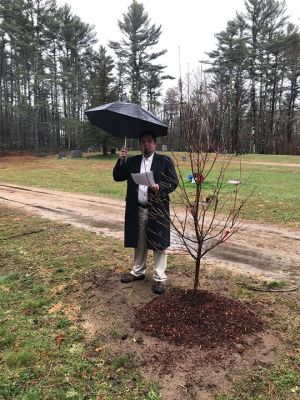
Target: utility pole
<point>181,101</point>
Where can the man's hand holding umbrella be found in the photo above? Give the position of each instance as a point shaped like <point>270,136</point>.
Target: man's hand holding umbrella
<point>123,154</point>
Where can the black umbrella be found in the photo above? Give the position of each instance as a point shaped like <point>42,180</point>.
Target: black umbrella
<point>123,119</point>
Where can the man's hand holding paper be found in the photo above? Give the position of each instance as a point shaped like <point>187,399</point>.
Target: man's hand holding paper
<point>145,178</point>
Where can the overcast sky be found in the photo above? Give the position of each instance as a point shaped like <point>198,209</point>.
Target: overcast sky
<point>188,25</point>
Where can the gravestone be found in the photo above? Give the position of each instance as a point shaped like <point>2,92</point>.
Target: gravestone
<point>76,154</point>
<point>61,155</point>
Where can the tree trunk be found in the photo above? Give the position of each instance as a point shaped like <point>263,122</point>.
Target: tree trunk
<point>197,272</point>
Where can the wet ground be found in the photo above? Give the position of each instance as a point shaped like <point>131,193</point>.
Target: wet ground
<point>269,251</point>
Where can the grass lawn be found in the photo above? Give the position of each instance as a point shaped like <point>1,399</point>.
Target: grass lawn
<point>276,187</point>
<point>45,354</point>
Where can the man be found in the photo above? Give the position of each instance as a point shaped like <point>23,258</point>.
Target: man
<point>147,224</point>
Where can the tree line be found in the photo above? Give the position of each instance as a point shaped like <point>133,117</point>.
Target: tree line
<point>51,72</point>
<point>250,82</point>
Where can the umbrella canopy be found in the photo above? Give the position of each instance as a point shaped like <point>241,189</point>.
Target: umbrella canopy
<point>123,119</point>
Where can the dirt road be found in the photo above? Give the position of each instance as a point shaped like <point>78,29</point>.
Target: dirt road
<point>268,251</point>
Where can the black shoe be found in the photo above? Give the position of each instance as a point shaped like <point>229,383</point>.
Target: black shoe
<point>127,278</point>
<point>159,288</point>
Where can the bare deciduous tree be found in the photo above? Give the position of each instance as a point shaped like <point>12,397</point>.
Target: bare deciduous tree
<point>205,212</point>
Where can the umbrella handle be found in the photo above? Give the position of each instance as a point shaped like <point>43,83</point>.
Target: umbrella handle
<point>123,159</point>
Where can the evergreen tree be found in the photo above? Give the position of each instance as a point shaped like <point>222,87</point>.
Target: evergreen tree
<point>135,52</point>
<point>13,71</point>
<point>292,58</point>
<point>101,79</point>
<point>255,79</point>
<point>264,20</point>
<point>101,90</point>
<point>75,40</point>
<point>44,55</point>
<point>228,65</point>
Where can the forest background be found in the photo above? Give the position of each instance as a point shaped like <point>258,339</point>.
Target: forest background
<point>51,72</point>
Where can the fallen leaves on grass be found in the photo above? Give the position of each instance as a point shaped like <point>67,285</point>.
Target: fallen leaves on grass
<point>59,339</point>
<point>55,308</point>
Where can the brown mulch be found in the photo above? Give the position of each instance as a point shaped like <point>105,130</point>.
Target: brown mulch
<point>203,318</point>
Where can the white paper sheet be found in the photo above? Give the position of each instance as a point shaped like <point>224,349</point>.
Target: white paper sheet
<point>145,178</point>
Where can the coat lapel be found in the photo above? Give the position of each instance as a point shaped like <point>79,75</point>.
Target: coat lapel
<point>154,166</point>
<point>137,164</point>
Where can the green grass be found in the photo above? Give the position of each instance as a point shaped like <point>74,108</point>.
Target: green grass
<point>43,349</point>
<point>93,175</point>
<point>275,188</point>
<point>22,358</point>
<point>271,158</point>
<point>276,284</point>
<point>275,196</point>
<point>280,383</point>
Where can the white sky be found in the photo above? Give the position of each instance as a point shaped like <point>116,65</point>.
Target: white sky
<point>189,25</point>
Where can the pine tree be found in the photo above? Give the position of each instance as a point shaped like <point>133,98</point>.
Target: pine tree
<point>101,90</point>
<point>264,20</point>
<point>75,40</point>
<point>228,65</point>
<point>134,51</point>
<point>292,54</point>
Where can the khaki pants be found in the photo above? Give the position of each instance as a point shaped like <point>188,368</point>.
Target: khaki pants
<point>141,252</point>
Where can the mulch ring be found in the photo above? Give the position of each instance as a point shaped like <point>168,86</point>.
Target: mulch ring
<point>202,319</point>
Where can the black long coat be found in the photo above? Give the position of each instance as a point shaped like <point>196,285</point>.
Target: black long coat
<point>158,226</point>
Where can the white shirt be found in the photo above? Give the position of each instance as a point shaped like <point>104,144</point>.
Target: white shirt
<point>143,190</point>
